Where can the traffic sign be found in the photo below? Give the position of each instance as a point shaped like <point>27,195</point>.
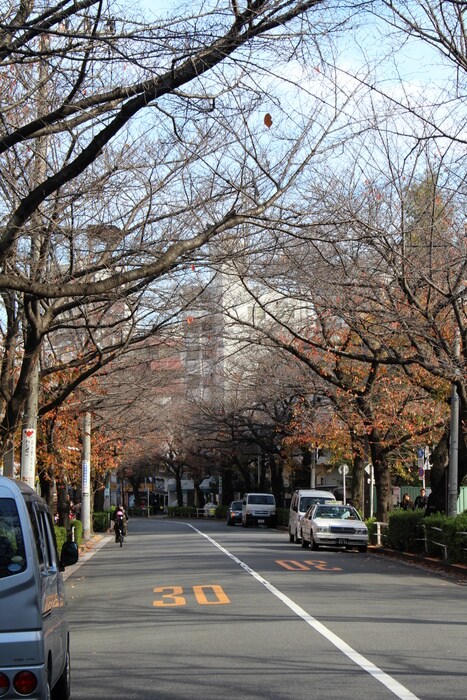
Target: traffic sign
<point>343,469</point>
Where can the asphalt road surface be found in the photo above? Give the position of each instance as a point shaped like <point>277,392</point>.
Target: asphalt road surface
<point>196,610</point>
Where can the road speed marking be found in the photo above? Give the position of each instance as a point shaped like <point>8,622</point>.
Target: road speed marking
<point>307,565</point>
<point>174,596</point>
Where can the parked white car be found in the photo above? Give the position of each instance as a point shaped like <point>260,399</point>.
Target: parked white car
<point>303,499</point>
<point>335,525</point>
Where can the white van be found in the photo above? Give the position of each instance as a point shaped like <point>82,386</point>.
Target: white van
<point>302,499</point>
<point>259,509</point>
<point>34,639</point>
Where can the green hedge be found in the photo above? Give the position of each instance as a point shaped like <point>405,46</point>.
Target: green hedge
<point>182,512</point>
<point>62,534</point>
<point>436,535</point>
<point>78,525</point>
<point>101,521</point>
<point>61,537</point>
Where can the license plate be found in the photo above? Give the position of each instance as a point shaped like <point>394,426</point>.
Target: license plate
<point>341,542</point>
<point>261,521</point>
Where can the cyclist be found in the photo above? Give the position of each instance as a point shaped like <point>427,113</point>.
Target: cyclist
<point>120,520</point>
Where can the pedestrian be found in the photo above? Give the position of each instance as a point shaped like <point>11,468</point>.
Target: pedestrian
<point>421,500</point>
<point>407,503</point>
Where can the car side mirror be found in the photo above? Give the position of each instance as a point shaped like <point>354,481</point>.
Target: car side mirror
<point>69,554</point>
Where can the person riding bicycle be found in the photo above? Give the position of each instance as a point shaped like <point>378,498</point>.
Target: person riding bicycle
<point>120,520</point>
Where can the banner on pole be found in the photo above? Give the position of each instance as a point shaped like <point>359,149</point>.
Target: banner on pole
<point>86,481</point>
<point>28,456</point>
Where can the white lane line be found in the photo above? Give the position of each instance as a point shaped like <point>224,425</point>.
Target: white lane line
<point>385,679</point>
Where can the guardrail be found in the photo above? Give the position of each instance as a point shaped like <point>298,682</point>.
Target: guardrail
<point>437,533</point>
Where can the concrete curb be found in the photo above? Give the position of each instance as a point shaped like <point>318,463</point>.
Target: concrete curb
<point>431,563</point>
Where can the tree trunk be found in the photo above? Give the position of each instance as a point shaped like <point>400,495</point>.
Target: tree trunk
<point>382,478</point>
<point>438,476</point>
<point>277,483</point>
<point>178,485</point>
<point>356,486</point>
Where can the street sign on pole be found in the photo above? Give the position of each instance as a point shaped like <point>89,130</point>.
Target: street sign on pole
<point>422,459</point>
<point>370,470</point>
<point>343,470</point>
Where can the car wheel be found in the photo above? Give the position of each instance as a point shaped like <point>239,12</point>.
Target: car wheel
<point>62,688</point>
<point>291,537</point>
<point>362,549</point>
<point>304,542</point>
<point>314,545</point>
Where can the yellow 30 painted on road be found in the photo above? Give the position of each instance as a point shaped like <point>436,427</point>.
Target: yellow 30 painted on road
<point>173,596</point>
<point>293,565</point>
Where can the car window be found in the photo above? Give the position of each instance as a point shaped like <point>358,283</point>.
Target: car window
<point>350,513</point>
<point>307,501</point>
<point>12,553</point>
<point>236,505</point>
<point>324,512</point>
<point>261,499</point>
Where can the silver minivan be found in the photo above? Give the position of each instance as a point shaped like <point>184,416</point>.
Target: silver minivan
<point>34,637</point>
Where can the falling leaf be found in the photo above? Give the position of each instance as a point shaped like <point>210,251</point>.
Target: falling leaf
<point>268,120</point>
<point>189,320</point>
<point>193,267</point>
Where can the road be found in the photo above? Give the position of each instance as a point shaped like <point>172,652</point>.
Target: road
<point>196,610</point>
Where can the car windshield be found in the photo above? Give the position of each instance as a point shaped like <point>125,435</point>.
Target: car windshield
<point>236,505</point>
<point>307,501</point>
<point>336,512</point>
<point>12,554</point>
<point>261,499</point>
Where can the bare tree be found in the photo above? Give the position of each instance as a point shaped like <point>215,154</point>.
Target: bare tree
<point>151,143</point>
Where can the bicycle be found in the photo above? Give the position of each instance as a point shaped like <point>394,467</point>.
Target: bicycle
<point>119,534</point>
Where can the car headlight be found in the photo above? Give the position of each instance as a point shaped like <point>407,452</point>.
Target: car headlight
<point>361,531</point>
<point>322,528</point>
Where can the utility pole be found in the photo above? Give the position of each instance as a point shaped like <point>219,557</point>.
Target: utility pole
<point>454,442</point>
<point>86,478</point>
<point>313,467</point>
<point>29,434</point>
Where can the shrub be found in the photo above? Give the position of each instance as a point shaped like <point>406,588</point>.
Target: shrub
<point>282,516</point>
<point>182,512</point>
<point>403,532</point>
<point>60,537</point>
<point>101,521</point>
<point>371,525</point>
<point>78,525</point>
